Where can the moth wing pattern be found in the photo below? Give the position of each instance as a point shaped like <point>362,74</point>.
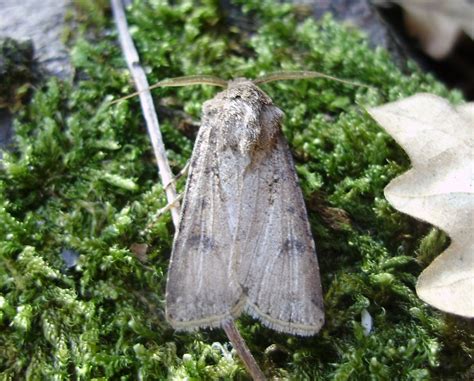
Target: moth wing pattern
<point>200,287</point>
<point>278,266</point>
<point>244,239</point>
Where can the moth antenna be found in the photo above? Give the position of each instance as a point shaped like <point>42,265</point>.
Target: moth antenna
<point>192,80</point>
<point>284,75</point>
<point>180,81</point>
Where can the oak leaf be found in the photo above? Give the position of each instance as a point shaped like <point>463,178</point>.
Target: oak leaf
<point>438,189</point>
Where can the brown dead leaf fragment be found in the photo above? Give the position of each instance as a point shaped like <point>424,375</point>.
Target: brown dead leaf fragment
<point>439,140</point>
<point>437,24</point>
<point>140,250</point>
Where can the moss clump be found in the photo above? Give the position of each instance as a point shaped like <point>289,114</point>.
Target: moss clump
<point>80,298</point>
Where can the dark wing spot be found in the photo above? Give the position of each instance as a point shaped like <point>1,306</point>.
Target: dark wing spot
<point>317,302</point>
<point>203,241</point>
<point>292,246</point>
<point>245,289</point>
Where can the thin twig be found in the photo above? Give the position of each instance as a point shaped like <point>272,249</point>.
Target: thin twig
<point>238,343</point>
<point>138,74</point>
<point>183,172</point>
<point>163,210</point>
<point>146,102</point>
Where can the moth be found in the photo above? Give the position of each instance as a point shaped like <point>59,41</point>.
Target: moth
<point>244,242</point>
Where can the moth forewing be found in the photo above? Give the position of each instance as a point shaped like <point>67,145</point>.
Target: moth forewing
<point>279,266</point>
<point>244,241</point>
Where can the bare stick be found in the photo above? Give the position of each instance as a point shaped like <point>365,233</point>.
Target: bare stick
<point>183,172</point>
<point>133,62</point>
<point>165,209</point>
<point>244,353</point>
<point>146,101</point>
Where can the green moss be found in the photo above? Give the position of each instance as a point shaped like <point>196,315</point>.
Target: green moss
<point>82,181</point>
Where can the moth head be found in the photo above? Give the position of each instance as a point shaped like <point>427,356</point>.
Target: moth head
<point>246,90</point>
<point>240,81</point>
<point>242,113</point>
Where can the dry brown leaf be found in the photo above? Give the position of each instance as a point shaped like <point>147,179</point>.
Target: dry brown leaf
<point>439,140</point>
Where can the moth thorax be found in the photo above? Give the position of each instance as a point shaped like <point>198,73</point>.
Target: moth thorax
<point>270,121</point>
<point>259,130</point>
